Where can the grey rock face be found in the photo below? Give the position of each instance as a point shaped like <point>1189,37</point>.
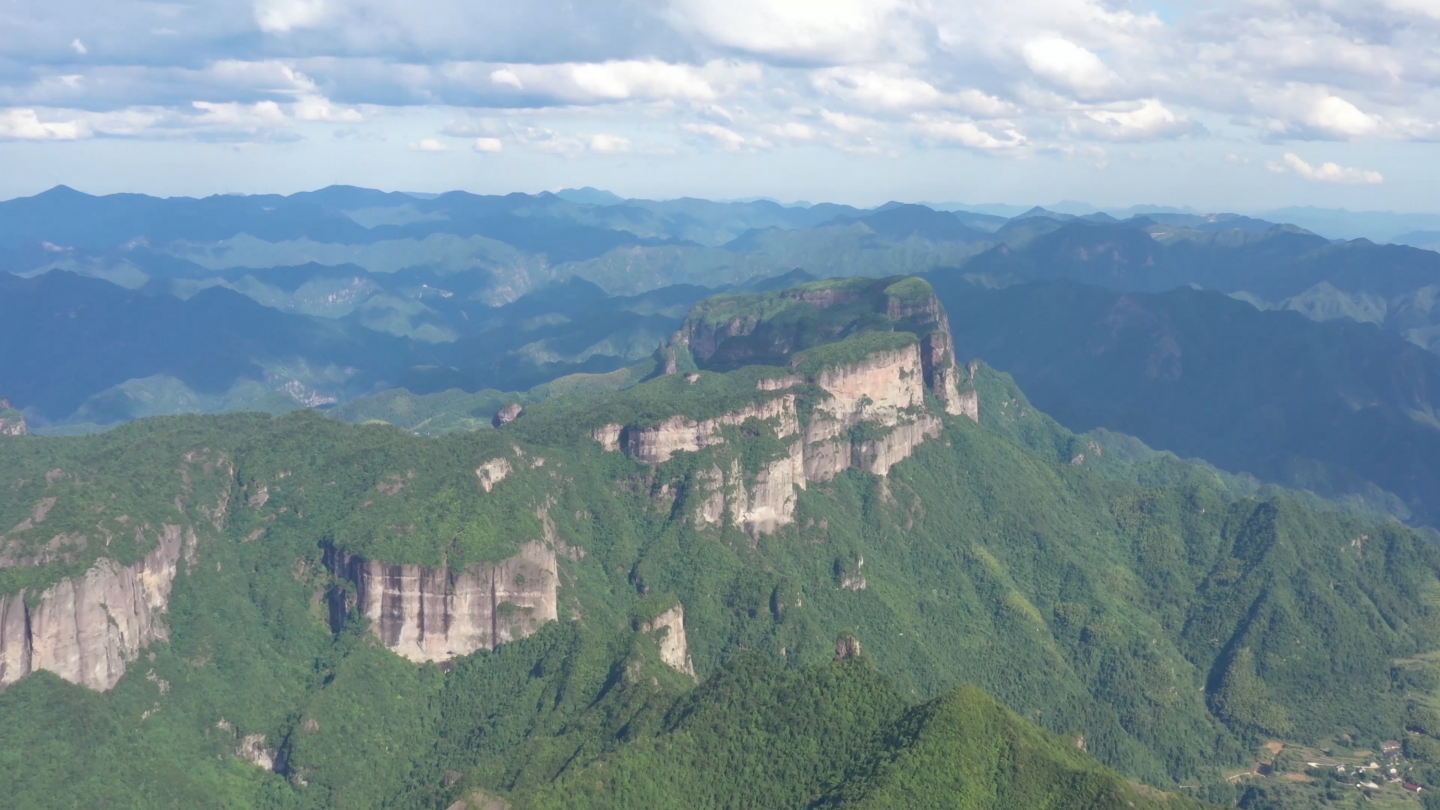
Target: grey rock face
<point>88,630</point>
<point>435,614</point>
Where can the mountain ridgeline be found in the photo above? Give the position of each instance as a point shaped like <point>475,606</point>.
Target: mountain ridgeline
<point>622,598</point>
<point>366,292</point>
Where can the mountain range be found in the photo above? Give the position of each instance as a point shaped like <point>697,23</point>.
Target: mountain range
<point>812,557</point>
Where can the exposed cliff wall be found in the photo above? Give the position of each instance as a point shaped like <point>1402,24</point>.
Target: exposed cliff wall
<point>656,444</point>
<point>669,629</point>
<point>12,423</point>
<point>87,630</point>
<point>882,395</point>
<point>435,614</point>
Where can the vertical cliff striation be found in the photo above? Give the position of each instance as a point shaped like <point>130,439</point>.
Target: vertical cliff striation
<point>438,613</point>
<point>867,413</point>
<point>88,630</point>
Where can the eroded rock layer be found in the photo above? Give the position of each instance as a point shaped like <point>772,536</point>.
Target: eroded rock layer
<point>884,394</point>
<point>438,613</point>
<point>88,630</point>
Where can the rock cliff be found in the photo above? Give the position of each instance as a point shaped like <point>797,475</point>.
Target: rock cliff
<point>870,415</point>
<point>12,423</point>
<point>88,630</point>
<point>656,444</point>
<point>669,630</point>
<point>437,613</point>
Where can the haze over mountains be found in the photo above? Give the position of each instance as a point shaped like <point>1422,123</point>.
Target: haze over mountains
<point>485,486</point>
<point>138,306</point>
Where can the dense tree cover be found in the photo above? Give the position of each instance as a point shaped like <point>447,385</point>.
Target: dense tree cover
<point>839,735</point>
<point>1166,613</point>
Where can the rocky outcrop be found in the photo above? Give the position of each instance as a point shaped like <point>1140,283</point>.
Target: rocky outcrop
<point>657,443</point>
<point>885,395</point>
<point>252,749</point>
<point>12,423</point>
<point>438,613</point>
<point>88,630</point>
<point>873,415</point>
<point>507,414</point>
<point>951,384</point>
<point>492,472</point>
<point>669,631</point>
<point>608,436</point>
<point>769,501</point>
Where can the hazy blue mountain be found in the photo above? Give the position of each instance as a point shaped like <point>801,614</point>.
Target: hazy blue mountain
<point>589,196</point>
<point>1342,408</point>
<point>84,336</point>
<point>1338,223</point>
<point>898,221</point>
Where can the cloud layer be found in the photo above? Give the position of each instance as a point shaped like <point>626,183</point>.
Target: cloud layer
<point>1020,79</point>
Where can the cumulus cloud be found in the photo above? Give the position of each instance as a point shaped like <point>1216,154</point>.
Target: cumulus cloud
<point>1040,76</point>
<point>281,16</point>
<point>26,125</point>
<point>1150,120</point>
<point>801,31</point>
<point>894,89</point>
<point>1301,110</point>
<point>260,115</point>
<point>489,145</point>
<point>429,145</point>
<point>590,83</point>
<point>1326,172</point>
<point>1000,136</point>
<point>1068,65</point>
<point>724,137</point>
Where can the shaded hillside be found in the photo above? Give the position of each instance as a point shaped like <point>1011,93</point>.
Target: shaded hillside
<point>1342,408</point>
<point>98,353</point>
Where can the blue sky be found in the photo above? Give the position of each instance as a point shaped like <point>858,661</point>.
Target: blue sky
<point>1220,104</point>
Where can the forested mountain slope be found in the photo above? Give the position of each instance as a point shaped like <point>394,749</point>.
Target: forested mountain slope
<point>330,615</point>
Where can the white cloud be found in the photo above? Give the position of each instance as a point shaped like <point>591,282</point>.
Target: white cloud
<point>874,90</point>
<point>429,145</point>
<point>489,145</point>
<point>600,82</point>
<point>1149,121</point>
<point>25,125</point>
<point>319,108</point>
<point>249,117</point>
<point>281,16</point>
<point>950,132</point>
<point>849,124</point>
<point>812,31</point>
<point>1066,64</point>
<point>506,77</point>
<point>1301,110</point>
<point>609,144</point>
<point>792,131</point>
<point>895,90</point>
<point>1034,76</point>
<point>1336,115</point>
<point>1326,172</point>
<point>724,137</point>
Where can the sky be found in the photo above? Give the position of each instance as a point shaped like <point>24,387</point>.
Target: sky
<point>1218,104</point>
